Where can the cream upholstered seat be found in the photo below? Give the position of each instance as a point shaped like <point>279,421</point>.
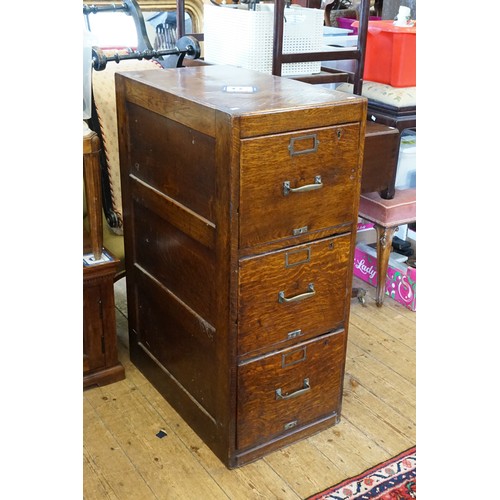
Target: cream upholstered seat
<point>392,106</point>
<point>397,97</point>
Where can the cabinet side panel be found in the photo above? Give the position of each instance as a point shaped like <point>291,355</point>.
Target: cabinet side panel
<point>178,228</point>
<point>174,159</point>
<point>181,264</point>
<point>182,342</point>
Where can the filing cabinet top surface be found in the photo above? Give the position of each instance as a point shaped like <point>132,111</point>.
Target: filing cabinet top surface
<point>238,91</point>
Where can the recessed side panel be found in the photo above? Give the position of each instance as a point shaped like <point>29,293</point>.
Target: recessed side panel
<point>176,160</point>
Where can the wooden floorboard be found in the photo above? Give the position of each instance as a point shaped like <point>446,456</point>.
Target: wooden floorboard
<point>124,459</point>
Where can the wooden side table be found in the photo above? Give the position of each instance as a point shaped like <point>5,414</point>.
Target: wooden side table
<point>100,355</point>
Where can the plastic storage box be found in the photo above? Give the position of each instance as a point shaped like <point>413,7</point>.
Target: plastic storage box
<point>401,278</point>
<point>391,54</point>
<point>241,37</point>
<point>406,173</point>
<point>346,23</point>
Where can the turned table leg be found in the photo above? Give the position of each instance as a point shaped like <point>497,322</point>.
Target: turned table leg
<point>384,246</point>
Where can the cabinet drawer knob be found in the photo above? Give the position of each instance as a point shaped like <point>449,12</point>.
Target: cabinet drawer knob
<point>311,291</point>
<point>302,189</point>
<point>305,388</point>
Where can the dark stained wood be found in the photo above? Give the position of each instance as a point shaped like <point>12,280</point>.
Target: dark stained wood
<point>190,176</point>
<point>206,228</point>
<point>326,75</point>
<point>175,259</point>
<point>100,356</point>
<point>93,193</point>
<point>179,339</point>
<point>277,105</point>
<point>377,111</point>
<point>380,159</point>
<point>355,54</point>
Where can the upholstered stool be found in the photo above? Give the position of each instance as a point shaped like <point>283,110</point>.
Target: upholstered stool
<point>392,106</point>
<point>387,215</point>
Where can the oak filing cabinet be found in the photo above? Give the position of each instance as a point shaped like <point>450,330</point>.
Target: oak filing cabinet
<point>240,194</point>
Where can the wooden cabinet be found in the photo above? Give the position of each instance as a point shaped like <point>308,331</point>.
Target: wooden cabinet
<point>240,195</point>
<point>100,356</point>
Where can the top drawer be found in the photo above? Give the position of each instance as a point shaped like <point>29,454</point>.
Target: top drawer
<point>297,183</point>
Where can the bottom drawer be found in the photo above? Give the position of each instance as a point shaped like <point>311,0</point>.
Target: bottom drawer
<point>288,389</point>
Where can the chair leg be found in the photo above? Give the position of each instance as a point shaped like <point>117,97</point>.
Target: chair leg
<point>360,294</point>
<point>384,245</point>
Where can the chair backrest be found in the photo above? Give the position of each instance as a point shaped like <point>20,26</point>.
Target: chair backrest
<point>356,54</point>
<point>103,119</point>
<point>104,123</point>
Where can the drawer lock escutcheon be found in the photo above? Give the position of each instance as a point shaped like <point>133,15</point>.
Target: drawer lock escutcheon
<point>302,189</point>
<point>306,387</point>
<point>293,334</point>
<point>300,230</point>
<point>301,296</point>
<point>290,425</point>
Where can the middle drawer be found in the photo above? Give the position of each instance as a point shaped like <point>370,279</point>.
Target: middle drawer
<point>292,294</point>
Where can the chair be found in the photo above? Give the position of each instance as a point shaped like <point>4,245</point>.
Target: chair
<point>102,203</point>
<point>387,207</point>
<point>384,205</point>
<point>100,235</point>
<point>103,123</point>
<point>380,201</point>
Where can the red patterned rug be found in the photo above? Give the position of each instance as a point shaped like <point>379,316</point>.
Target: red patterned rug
<point>395,479</point>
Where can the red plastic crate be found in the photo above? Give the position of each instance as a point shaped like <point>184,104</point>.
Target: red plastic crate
<point>391,54</point>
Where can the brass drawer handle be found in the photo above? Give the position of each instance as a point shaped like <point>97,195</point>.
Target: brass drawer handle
<point>301,296</point>
<point>307,387</point>
<point>302,189</point>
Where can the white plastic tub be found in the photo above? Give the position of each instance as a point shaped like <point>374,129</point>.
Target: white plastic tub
<point>406,173</point>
